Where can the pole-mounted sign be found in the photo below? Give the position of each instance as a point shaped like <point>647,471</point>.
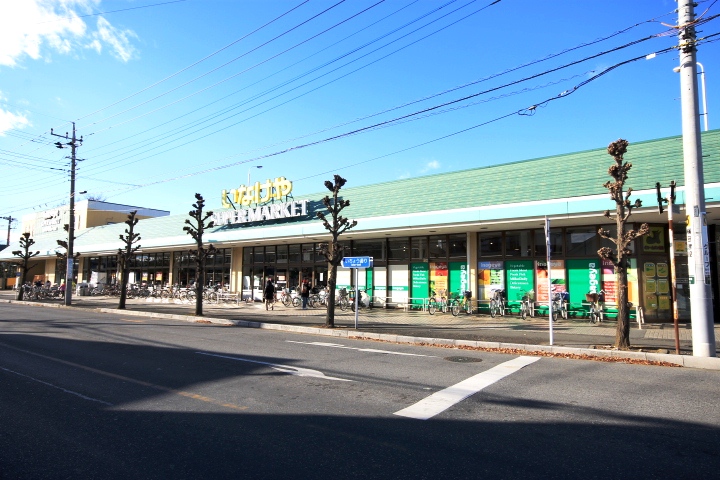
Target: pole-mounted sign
<point>357,262</point>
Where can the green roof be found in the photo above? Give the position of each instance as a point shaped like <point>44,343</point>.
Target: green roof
<point>468,195</point>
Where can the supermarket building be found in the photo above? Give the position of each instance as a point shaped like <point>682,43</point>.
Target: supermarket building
<point>477,229</point>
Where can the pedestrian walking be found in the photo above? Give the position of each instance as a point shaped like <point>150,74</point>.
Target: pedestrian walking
<point>269,295</point>
<point>305,293</point>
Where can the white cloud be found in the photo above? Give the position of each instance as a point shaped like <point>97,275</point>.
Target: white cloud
<point>10,120</point>
<point>36,28</point>
<point>431,165</point>
<point>119,40</point>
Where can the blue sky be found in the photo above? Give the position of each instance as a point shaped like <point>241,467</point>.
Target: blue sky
<point>177,97</point>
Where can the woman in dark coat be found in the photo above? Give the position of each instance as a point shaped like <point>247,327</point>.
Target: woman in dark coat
<point>269,295</point>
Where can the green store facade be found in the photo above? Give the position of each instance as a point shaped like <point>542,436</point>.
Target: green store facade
<point>486,233</point>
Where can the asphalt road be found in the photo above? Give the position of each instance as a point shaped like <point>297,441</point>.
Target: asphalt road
<point>89,395</point>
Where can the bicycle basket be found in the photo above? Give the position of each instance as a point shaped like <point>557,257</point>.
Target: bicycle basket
<point>499,294</point>
<point>467,294</point>
<point>592,297</point>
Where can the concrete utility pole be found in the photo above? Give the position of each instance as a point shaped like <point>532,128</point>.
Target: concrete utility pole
<point>9,220</point>
<point>70,270</point>
<point>703,333</point>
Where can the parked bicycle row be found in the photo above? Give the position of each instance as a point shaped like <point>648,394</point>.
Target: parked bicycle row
<point>593,309</point>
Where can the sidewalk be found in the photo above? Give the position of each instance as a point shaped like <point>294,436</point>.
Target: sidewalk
<point>442,328</point>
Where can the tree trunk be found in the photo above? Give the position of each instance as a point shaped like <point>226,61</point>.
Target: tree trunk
<point>332,281</point>
<point>199,279</point>
<point>622,333</point>
<point>123,288</point>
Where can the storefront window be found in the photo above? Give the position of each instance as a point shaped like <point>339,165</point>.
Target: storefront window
<point>556,242</point>
<point>294,253</point>
<point>419,248</point>
<point>490,244</point>
<point>369,248</point>
<point>458,246</point>
<point>270,255</point>
<point>519,244</point>
<point>308,252</point>
<point>399,249</point>
<point>282,254</point>
<point>247,255</point>
<point>259,255</point>
<point>438,246</point>
<point>581,241</point>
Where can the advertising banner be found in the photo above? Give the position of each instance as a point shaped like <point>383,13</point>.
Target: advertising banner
<point>458,279</point>
<point>439,278</point>
<point>520,279</point>
<point>557,272</point>
<point>584,276</point>
<point>419,282</point>
<point>491,276</point>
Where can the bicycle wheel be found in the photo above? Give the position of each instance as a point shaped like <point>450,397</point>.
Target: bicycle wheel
<point>523,310</point>
<point>493,308</point>
<point>287,300</point>
<point>555,309</point>
<point>455,308</point>
<point>296,302</point>
<point>432,307</point>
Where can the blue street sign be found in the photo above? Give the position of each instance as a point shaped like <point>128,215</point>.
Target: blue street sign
<point>357,262</point>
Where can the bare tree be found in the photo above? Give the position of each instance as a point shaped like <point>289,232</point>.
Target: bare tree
<point>201,253</point>
<point>62,256</point>
<point>25,255</point>
<point>124,255</point>
<point>623,239</point>
<point>334,251</point>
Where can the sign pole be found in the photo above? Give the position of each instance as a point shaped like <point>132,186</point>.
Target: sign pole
<point>357,294</point>
<point>550,293</point>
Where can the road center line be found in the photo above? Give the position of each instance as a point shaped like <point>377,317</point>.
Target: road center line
<point>440,401</point>
<point>372,350</point>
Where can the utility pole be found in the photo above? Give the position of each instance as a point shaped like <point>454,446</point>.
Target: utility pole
<point>70,270</point>
<point>703,333</point>
<point>9,220</point>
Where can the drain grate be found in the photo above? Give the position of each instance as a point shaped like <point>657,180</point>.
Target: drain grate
<point>463,359</point>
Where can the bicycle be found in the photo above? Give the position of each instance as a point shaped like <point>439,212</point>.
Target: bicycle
<point>559,305</point>
<point>465,304</point>
<point>596,310</point>
<point>361,300</point>
<point>497,303</point>
<point>436,302</point>
<point>342,299</point>
<point>527,305</point>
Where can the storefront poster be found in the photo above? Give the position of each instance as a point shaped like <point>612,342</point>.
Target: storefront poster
<point>663,286</point>
<point>520,279</point>
<point>439,278</point>
<point>491,276</point>
<point>419,282</point>
<point>609,285</point>
<point>654,241</point>
<point>662,269</point>
<point>458,279</point>
<point>557,277</point>
<point>584,276</point>
<point>649,269</point>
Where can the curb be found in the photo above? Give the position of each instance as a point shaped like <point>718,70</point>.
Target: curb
<point>705,363</point>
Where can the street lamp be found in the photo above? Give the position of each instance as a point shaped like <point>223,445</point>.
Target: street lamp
<point>249,170</point>
<point>702,84</point>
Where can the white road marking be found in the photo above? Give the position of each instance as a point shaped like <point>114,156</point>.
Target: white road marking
<point>299,371</point>
<point>59,388</point>
<point>373,350</point>
<point>440,401</point>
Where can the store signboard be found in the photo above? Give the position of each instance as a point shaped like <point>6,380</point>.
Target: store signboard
<point>459,282</point>
<point>267,200</point>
